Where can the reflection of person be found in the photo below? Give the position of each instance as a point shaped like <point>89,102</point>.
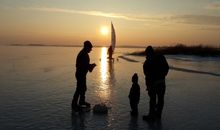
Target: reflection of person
<point>78,121</point>
<point>82,68</point>
<point>134,95</point>
<point>155,70</point>
<point>110,52</point>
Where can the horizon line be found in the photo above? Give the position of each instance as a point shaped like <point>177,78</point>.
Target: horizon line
<point>67,45</point>
<point>118,46</point>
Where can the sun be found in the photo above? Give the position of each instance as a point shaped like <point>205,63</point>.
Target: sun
<point>104,30</point>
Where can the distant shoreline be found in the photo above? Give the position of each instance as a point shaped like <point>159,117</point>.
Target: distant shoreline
<point>180,49</point>
<point>53,45</point>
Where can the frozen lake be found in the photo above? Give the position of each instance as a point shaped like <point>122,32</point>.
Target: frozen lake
<point>37,85</point>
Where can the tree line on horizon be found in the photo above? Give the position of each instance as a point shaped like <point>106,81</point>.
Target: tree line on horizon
<point>181,49</point>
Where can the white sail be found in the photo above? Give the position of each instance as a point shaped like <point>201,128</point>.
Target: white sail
<point>113,37</point>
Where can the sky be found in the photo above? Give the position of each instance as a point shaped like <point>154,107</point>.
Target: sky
<point>137,22</point>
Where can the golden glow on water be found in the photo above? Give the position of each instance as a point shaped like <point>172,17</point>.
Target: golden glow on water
<point>103,69</point>
<point>104,87</point>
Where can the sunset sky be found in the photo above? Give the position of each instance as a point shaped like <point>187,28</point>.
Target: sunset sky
<point>137,22</point>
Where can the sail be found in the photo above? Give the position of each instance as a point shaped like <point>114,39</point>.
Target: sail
<point>113,37</point>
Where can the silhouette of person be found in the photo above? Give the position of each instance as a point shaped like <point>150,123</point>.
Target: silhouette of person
<point>110,52</point>
<point>155,69</point>
<point>82,67</point>
<point>134,95</point>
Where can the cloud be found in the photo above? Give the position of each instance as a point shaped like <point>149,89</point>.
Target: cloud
<point>196,19</point>
<point>130,17</point>
<point>179,19</point>
<point>91,13</point>
<point>214,6</point>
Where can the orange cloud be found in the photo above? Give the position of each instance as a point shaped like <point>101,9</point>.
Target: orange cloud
<point>214,6</point>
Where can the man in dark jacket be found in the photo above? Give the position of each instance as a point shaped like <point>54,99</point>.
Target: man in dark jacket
<point>82,67</point>
<point>155,69</point>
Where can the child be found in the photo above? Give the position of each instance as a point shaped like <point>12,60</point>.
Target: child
<point>134,95</point>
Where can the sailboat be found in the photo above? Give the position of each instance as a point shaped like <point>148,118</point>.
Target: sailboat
<point>113,42</point>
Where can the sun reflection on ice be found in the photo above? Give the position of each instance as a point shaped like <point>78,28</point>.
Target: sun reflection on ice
<point>103,69</point>
<point>104,87</point>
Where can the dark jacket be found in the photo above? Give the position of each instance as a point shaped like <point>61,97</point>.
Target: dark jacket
<point>82,64</point>
<point>155,68</point>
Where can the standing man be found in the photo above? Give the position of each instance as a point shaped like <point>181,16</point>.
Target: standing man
<point>155,70</point>
<point>110,52</point>
<point>82,67</point>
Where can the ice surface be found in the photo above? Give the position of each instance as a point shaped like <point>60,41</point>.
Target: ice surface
<point>37,85</point>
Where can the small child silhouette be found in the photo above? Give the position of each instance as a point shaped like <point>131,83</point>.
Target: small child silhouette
<point>134,95</point>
